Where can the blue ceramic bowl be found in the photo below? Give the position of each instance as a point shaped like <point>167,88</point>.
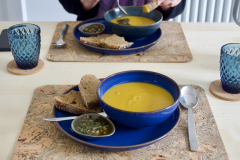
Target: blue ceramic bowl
<point>133,32</point>
<point>139,119</point>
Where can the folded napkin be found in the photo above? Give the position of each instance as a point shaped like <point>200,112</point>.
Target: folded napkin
<point>4,44</point>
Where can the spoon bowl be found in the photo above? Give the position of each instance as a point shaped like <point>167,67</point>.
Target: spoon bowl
<point>189,99</point>
<point>59,43</point>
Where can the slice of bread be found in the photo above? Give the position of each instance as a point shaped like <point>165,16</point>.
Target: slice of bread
<point>72,102</point>
<point>88,90</point>
<point>94,40</point>
<point>115,42</point>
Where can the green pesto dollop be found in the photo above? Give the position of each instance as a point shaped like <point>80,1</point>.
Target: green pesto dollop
<point>94,28</point>
<point>93,126</point>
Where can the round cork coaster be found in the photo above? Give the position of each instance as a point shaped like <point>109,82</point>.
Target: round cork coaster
<point>216,89</point>
<point>12,68</point>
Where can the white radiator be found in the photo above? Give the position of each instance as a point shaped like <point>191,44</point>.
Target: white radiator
<point>206,11</point>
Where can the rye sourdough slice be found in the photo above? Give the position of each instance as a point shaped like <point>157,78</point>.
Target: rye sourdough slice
<point>94,40</point>
<point>88,90</point>
<point>115,42</point>
<point>72,102</point>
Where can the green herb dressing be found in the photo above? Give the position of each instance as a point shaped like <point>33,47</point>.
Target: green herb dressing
<point>93,126</point>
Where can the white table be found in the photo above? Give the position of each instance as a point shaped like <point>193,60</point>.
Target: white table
<point>204,39</point>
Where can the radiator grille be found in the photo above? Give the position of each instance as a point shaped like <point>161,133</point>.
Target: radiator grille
<point>206,11</point>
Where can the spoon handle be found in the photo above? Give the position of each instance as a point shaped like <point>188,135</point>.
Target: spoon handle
<point>58,119</point>
<point>64,29</point>
<point>192,131</point>
<point>121,9</point>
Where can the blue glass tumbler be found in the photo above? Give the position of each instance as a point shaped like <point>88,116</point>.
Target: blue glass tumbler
<point>230,67</point>
<point>25,43</point>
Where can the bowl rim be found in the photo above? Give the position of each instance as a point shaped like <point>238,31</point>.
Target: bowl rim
<point>89,25</point>
<point>139,16</point>
<point>130,112</point>
<point>92,136</point>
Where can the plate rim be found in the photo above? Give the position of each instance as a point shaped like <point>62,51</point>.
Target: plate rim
<point>103,147</point>
<point>107,49</point>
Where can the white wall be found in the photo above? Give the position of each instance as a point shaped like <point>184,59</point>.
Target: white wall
<point>3,11</point>
<point>10,10</point>
<point>207,11</point>
<point>46,10</point>
<point>14,10</point>
<point>33,10</point>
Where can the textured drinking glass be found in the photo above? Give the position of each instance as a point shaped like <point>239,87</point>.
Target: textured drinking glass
<point>25,42</point>
<point>230,67</point>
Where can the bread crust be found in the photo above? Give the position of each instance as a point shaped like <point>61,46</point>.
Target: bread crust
<point>86,42</point>
<point>88,90</point>
<point>67,107</point>
<point>105,45</point>
<point>101,41</point>
<point>115,42</point>
<point>71,109</point>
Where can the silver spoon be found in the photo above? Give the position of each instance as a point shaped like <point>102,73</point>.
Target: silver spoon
<point>122,10</point>
<point>189,99</point>
<point>68,118</point>
<point>60,42</point>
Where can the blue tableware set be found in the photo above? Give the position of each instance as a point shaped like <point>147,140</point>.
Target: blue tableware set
<point>143,37</point>
<point>133,129</point>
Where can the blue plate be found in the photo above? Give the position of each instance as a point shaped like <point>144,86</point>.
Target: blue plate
<point>124,138</point>
<point>138,46</point>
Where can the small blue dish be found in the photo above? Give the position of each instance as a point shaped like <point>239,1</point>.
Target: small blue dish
<point>139,119</point>
<point>94,116</point>
<point>133,32</point>
<point>87,34</point>
<point>139,45</point>
<point>124,138</point>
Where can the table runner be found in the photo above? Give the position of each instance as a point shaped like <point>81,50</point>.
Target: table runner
<point>172,47</point>
<point>43,140</point>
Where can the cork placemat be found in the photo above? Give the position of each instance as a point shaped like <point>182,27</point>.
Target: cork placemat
<point>13,68</point>
<point>216,89</point>
<point>43,140</point>
<point>172,47</point>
